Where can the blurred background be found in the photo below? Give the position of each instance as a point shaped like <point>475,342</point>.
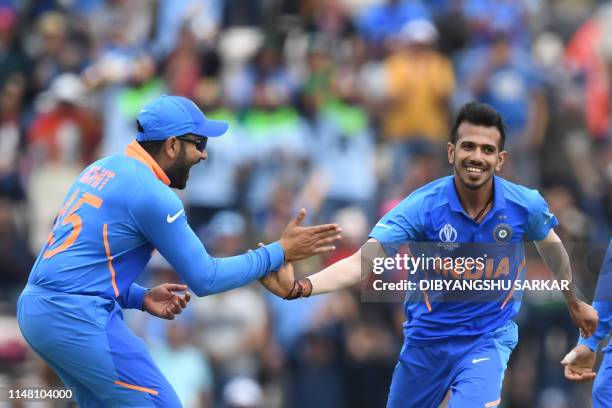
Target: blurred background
<point>339,106</point>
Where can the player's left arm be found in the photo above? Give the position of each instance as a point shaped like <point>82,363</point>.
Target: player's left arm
<point>178,244</point>
<point>402,224</point>
<point>132,298</point>
<point>165,301</point>
<point>555,256</point>
<point>539,229</point>
<point>553,252</point>
<point>344,273</point>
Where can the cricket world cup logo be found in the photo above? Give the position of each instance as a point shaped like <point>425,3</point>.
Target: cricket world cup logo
<point>448,233</point>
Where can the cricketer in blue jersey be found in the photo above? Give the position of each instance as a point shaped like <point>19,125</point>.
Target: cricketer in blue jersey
<point>461,347</point>
<point>117,212</point>
<point>580,361</point>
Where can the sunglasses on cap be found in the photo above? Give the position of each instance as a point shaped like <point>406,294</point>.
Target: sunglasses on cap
<point>200,142</point>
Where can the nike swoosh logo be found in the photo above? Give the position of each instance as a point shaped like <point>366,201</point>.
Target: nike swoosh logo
<point>174,217</point>
<point>478,360</point>
<point>383,225</point>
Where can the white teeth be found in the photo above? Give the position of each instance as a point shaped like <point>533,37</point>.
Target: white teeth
<point>474,170</point>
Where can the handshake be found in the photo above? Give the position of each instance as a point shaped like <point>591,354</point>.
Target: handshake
<point>298,242</point>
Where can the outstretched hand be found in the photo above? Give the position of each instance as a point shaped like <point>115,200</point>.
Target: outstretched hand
<point>301,242</point>
<point>163,301</point>
<point>579,364</point>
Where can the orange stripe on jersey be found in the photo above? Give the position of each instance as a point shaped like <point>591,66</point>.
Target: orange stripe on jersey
<point>427,304</point>
<point>493,403</point>
<point>137,388</point>
<point>135,151</point>
<point>427,301</point>
<point>110,259</point>
<point>518,272</point>
<point>426,295</point>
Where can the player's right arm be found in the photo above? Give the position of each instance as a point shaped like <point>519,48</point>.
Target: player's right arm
<point>344,273</point>
<point>400,225</point>
<point>159,216</point>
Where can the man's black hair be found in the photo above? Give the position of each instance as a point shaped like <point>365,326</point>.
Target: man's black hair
<point>480,114</point>
<point>153,147</point>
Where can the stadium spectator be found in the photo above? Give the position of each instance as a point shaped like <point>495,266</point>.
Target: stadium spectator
<point>589,56</point>
<point>51,54</point>
<point>379,22</point>
<point>217,186</point>
<point>420,82</point>
<point>12,136</point>
<point>13,59</point>
<point>507,80</point>
<point>62,138</point>
<point>343,170</point>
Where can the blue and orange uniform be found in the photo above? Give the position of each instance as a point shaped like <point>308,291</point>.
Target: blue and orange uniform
<point>602,387</point>
<point>116,213</point>
<point>461,346</point>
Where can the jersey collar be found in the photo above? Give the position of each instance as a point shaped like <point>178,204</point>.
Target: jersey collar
<point>499,199</point>
<point>135,151</point>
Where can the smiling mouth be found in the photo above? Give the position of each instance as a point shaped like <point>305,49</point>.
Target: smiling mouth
<point>474,170</point>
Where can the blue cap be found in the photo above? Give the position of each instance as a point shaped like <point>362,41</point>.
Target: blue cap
<point>175,116</point>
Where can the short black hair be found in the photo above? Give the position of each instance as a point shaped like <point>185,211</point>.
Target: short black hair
<point>479,114</point>
<point>153,147</point>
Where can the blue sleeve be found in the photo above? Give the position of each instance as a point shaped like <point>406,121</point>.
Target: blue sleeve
<point>160,216</point>
<point>402,224</point>
<point>540,220</point>
<point>602,303</point>
<point>133,298</point>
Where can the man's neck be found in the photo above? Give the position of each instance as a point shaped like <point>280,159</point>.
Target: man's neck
<point>475,202</point>
<point>161,160</point>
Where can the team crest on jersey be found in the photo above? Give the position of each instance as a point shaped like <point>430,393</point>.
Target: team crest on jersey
<point>448,233</point>
<point>502,233</point>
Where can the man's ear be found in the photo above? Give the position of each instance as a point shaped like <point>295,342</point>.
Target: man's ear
<point>451,152</point>
<point>172,147</point>
<point>501,159</point>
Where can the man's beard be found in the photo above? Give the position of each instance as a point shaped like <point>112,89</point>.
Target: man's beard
<point>472,184</point>
<point>178,173</point>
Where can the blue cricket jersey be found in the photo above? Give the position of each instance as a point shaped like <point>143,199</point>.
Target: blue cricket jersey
<point>602,304</point>
<point>115,214</point>
<point>433,214</point>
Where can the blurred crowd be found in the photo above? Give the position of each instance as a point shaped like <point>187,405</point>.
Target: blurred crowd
<point>339,106</point>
